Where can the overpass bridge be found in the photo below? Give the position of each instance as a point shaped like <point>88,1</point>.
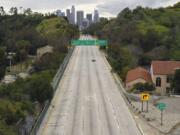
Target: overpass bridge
<point>87,100</point>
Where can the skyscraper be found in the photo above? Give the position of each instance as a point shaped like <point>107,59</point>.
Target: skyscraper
<point>80,17</point>
<point>85,24</point>
<point>68,14</point>
<point>72,18</point>
<point>89,17</point>
<point>60,13</point>
<point>96,16</point>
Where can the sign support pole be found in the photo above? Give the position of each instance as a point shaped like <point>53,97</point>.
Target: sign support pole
<point>162,107</point>
<point>142,106</point>
<point>161,117</point>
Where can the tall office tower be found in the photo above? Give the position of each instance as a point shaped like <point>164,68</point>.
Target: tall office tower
<point>63,14</point>
<point>80,17</point>
<point>60,13</point>
<point>68,14</point>
<point>73,15</point>
<point>96,16</point>
<point>85,24</point>
<point>89,17</point>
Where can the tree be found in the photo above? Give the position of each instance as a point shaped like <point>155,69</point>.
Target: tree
<point>28,11</point>
<point>177,5</point>
<point>2,11</point>
<point>23,45</point>
<point>144,60</point>
<point>2,63</point>
<point>22,49</point>
<point>176,82</point>
<point>40,89</point>
<point>13,11</point>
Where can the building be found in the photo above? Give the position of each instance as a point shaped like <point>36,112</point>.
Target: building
<point>137,75</point>
<point>43,50</point>
<point>63,14</point>
<point>89,17</point>
<point>60,13</point>
<point>80,17</point>
<point>68,14</point>
<point>72,16</point>
<point>161,74</point>
<point>96,16</point>
<point>85,24</point>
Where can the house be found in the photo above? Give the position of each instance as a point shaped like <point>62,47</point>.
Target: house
<point>137,75</point>
<point>161,74</point>
<point>43,50</point>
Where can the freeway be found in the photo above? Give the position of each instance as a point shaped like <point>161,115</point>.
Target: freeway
<point>88,101</point>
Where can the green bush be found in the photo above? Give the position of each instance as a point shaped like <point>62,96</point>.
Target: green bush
<point>143,87</point>
<point>39,88</point>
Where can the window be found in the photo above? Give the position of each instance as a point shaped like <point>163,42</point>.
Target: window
<point>158,82</point>
<point>168,79</point>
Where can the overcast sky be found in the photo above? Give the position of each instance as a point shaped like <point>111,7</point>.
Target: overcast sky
<point>106,7</point>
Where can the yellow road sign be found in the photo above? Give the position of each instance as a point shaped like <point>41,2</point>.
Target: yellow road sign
<point>145,96</point>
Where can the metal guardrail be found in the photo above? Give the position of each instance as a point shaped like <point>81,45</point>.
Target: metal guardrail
<point>54,84</point>
<point>40,119</point>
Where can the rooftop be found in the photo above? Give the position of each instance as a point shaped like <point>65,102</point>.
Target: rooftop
<point>137,73</point>
<point>165,67</point>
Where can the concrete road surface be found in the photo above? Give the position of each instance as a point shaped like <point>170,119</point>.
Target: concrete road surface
<point>88,101</point>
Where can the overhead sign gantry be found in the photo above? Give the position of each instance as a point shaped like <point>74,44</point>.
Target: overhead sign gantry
<point>89,42</point>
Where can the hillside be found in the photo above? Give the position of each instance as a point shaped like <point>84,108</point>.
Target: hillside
<point>22,35</point>
<point>138,36</point>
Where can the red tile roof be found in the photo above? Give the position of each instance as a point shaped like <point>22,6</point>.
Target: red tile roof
<point>138,73</point>
<point>165,67</point>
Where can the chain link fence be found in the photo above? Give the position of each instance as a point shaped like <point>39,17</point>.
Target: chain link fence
<point>54,84</point>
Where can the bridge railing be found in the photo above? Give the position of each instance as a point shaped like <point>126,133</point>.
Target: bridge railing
<point>54,84</point>
<point>61,69</point>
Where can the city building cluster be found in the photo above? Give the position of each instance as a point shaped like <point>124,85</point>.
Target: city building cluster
<point>79,18</point>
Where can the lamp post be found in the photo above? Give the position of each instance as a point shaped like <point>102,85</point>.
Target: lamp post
<point>10,57</point>
<point>10,62</point>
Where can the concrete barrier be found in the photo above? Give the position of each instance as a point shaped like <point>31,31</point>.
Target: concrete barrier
<point>54,84</point>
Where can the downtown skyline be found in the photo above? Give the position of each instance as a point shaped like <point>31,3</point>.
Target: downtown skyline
<point>107,8</point>
<point>78,17</point>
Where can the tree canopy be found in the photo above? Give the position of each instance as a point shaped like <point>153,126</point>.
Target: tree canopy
<point>146,34</point>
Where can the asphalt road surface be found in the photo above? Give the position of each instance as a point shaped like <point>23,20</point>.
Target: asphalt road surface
<point>88,101</point>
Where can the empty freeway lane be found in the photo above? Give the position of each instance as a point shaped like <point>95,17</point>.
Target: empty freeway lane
<point>88,101</point>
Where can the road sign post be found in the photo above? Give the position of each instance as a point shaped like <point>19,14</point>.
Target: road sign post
<point>161,107</point>
<point>144,98</point>
<point>161,117</point>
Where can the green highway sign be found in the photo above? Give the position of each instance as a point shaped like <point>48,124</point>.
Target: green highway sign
<point>102,42</point>
<point>161,106</point>
<point>89,42</point>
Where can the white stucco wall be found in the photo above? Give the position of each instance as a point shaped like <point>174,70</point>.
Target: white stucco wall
<point>161,90</point>
<point>130,85</point>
